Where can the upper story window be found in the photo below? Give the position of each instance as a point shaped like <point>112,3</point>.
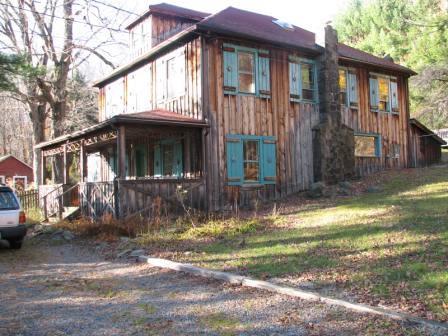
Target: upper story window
<point>114,98</point>
<point>348,87</point>
<point>302,80</point>
<point>246,71</point>
<point>170,76</point>
<point>383,93</point>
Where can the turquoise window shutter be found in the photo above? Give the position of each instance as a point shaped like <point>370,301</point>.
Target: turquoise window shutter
<point>269,160</point>
<point>378,146</point>
<point>140,160</point>
<point>394,96</point>
<point>294,81</point>
<point>234,156</point>
<point>264,76</point>
<point>178,162</point>
<point>353,89</point>
<point>230,68</point>
<point>157,161</point>
<point>374,91</point>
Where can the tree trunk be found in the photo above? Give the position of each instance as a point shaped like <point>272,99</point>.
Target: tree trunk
<point>37,115</point>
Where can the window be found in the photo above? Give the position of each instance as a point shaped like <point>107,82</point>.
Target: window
<point>302,80</point>
<point>168,159</point>
<point>343,87</point>
<point>250,159</point>
<point>7,200</point>
<point>383,93</point>
<point>246,71</point>
<point>20,182</point>
<point>170,76</point>
<point>140,160</point>
<point>367,145</point>
<point>348,87</point>
<point>114,100</point>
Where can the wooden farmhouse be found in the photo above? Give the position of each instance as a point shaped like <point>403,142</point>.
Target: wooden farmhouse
<point>232,107</point>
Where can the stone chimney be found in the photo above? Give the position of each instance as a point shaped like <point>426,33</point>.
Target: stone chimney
<point>333,142</point>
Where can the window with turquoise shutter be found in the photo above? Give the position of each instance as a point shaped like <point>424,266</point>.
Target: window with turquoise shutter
<point>374,98</point>
<point>168,159</point>
<point>394,96</point>
<point>352,89</point>
<point>295,90</point>
<point>251,159</point>
<point>246,71</point>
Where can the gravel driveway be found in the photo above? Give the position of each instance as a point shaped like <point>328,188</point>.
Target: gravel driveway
<point>57,288</point>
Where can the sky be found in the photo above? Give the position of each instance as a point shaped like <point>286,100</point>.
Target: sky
<point>308,14</point>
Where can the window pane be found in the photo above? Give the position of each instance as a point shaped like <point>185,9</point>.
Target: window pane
<point>383,84</point>
<point>251,150</point>
<point>342,80</point>
<point>307,76</point>
<point>8,201</point>
<point>167,159</point>
<point>246,62</point>
<point>365,146</point>
<point>308,94</point>
<point>343,98</point>
<point>251,172</point>
<point>247,83</point>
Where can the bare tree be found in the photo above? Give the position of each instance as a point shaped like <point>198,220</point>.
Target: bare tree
<point>58,37</point>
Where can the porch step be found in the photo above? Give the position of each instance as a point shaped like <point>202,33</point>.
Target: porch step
<point>68,212</point>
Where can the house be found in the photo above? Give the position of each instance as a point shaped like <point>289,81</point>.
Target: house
<point>232,107</point>
<point>443,134</point>
<point>15,172</point>
<point>426,145</point>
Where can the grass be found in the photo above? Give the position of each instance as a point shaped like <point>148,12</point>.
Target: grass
<point>221,323</point>
<point>388,247</point>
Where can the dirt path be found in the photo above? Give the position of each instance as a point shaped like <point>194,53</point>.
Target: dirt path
<point>54,288</point>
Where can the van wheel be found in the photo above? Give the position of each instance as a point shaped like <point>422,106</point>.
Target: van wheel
<point>15,244</point>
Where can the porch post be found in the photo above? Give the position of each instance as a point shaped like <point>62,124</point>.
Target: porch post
<point>82,162</point>
<point>66,169</point>
<point>121,151</point>
<point>43,162</point>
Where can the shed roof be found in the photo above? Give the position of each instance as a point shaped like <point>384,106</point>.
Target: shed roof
<point>353,54</point>
<point>153,117</point>
<point>427,131</point>
<point>171,10</point>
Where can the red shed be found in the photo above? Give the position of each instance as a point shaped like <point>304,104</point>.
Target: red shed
<point>15,172</point>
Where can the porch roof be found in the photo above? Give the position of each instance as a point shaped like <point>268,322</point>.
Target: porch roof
<point>154,117</point>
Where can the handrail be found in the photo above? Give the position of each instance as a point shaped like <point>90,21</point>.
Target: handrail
<point>60,193</point>
<point>45,201</point>
<point>60,199</point>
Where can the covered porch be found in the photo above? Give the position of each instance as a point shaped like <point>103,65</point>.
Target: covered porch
<point>130,164</point>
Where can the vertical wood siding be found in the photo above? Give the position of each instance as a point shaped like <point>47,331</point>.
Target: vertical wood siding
<point>392,128</point>
<point>189,103</point>
<point>291,123</point>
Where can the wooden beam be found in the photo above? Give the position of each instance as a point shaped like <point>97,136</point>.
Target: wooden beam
<point>66,169</point>
<point>43,162</point>
<point>121,152</point>
<point>82,162</point>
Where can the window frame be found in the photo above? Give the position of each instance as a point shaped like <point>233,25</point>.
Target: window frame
<point>348,101</point>
<point>254,54</point>
<point>299,61</point>
<point>25,178</point>
<point>161,65</point>
<point>378,144</point>
<point>258,142</point>
<point>171,142</point>
<point>261,159</point>
<point>389,79</point>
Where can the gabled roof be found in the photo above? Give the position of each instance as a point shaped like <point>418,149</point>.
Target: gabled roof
<point>426,130</point>
<point>353,54</point>
<point>170,10</point>
<point>10,156</point>
<point>242,23</point>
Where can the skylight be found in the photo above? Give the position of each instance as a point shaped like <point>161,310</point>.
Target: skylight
<point>284,24</point>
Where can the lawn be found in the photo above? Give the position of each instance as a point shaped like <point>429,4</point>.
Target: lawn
<point>388,247</point>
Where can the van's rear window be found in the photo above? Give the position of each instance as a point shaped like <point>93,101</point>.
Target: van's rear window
<point>8,201</point>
